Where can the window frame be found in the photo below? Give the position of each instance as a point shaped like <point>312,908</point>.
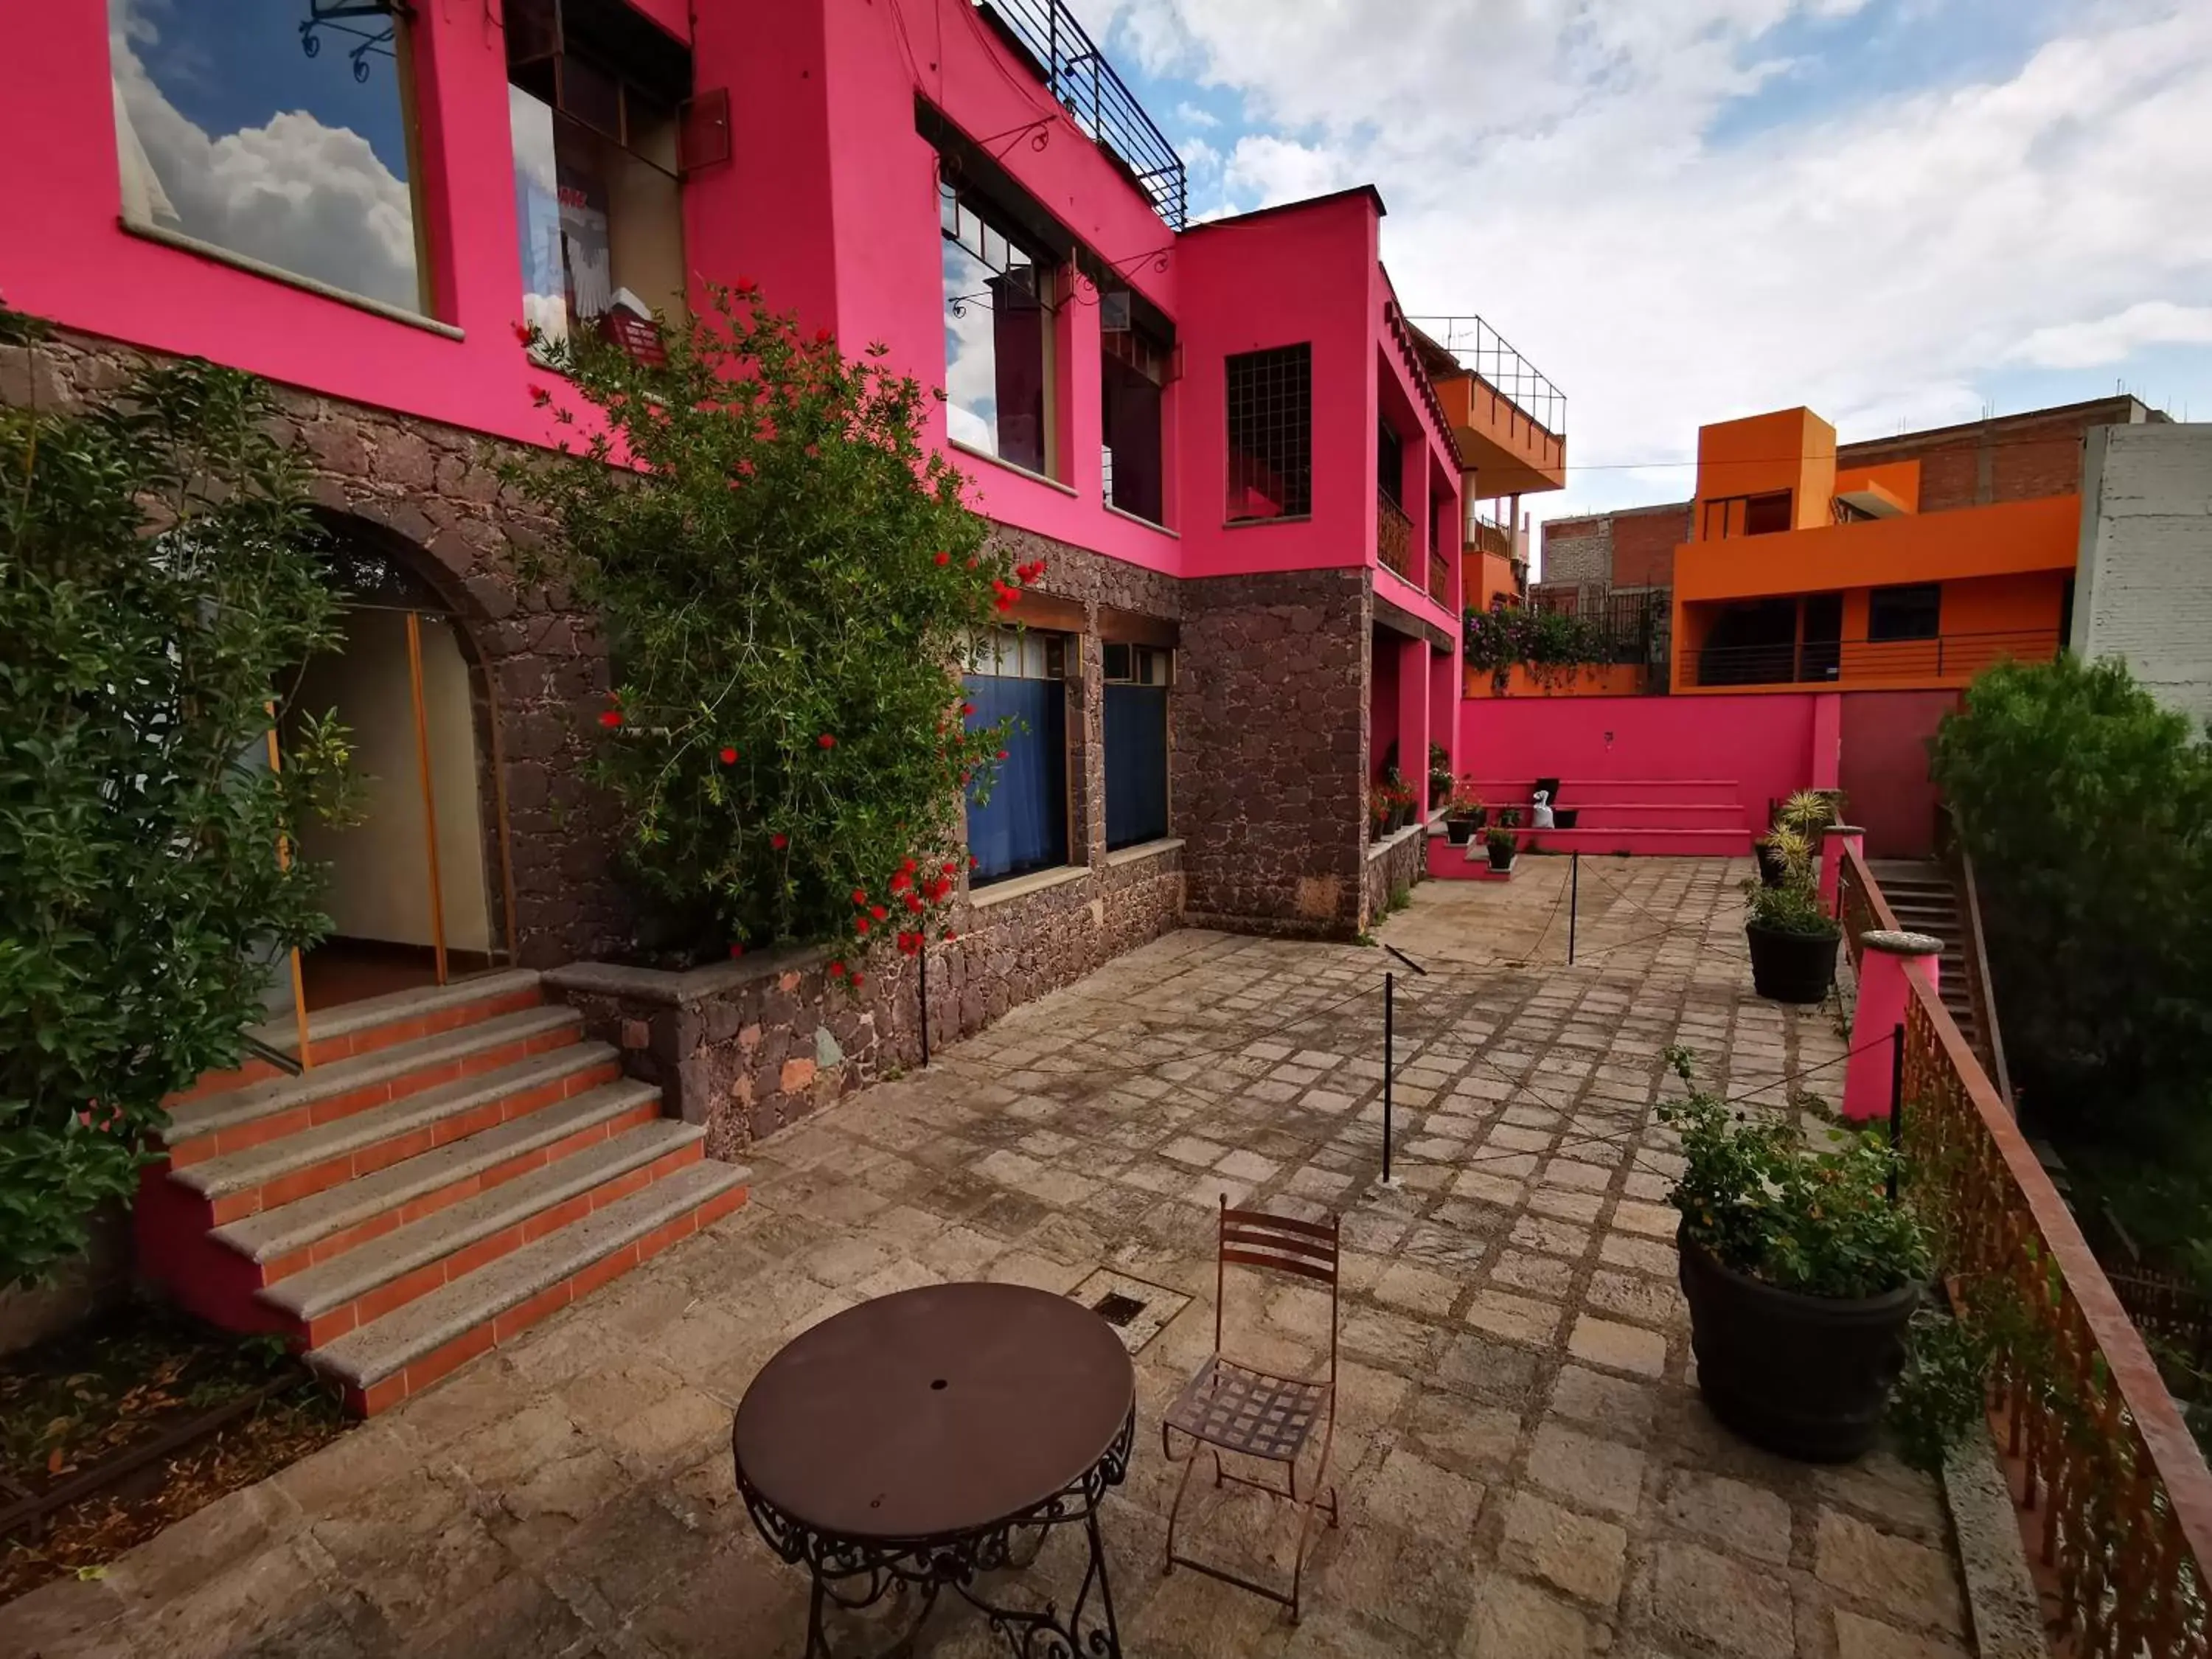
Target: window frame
<point>1894,593</point>
<point>995,219</point>
<point>1299,500</point>
<point>1058,660</point>
<point>1143,344</point>
<point>1141,668</point>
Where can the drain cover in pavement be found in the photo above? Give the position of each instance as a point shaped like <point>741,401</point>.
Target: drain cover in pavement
<point>1137,1310</point>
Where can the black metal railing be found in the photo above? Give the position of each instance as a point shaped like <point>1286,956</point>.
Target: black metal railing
<point>1070,64</point>
<point>1483,350</point>
<point>1818,662</point>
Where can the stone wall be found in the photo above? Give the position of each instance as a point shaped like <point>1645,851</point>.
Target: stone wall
<point>749,1046</point>
<point>1396,862</point>
<point>1271,736</point>
<point>427,496</point>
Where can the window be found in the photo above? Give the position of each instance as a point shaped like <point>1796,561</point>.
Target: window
<point>1271,434</point>
<point>1906,613</point>
<point>1137,681</point>
<point>1018,673</point>
<point>1389,464</point>
<point>1747,515</point>
<point>281,140</point>
<point>1134,372</point>
<point>998,333</point>
<point>594,109</point>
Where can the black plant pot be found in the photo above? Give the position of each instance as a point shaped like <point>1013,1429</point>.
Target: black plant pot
<point>1565,817</point>
<point>1501,860</point>
<point>1459,831</point>
<point>1803,1376</point>
<point>1773,871</point>
<point>1788,967</point>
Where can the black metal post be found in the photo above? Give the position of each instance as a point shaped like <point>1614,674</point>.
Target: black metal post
<point>1574,899</point>
<point>1390,1062</point>
<point>1896,1105</point>
<point>921,998</point>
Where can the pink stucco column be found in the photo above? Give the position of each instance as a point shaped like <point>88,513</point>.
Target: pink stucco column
<point>1827,738</point>
<point>1833,840</point>
<point>1414,722</point>
<point>1883,995</point>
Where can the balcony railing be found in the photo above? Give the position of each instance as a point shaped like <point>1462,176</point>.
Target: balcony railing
<point>1394,537</point>
<point>2113,1499</point>
<point>1483,350</point>
<point>1818,662</point>
<point>1069,63</point>
<point>1439,578</point>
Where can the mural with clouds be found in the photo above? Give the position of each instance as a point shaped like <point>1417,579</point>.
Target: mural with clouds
<point>227,131</point>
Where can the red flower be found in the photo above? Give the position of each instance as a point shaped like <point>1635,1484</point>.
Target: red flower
<point>1002,754</point>
<point>860,896</point>
<point>540,395</point>
<point>907,866</point>
<point>914,901</point>
<point>737,950</point>
<point>836,970</point>
<point>971,564</point>
<point>900,882</point>
<point>909,943</point>
<point>525,333</point>
<point>975,863</point>
<point>944,558</point>
<point>746,285</point>
<point>611,718</point>
<point>947,868</point>
<point>877,912</point>
<point>967,708</point>
<point>729,756</point>
<point>949,936</point>
<point>827,741</point>
<point>860,926</point>
<point>823,337</point>
<point>858,979</point>
<point>779,841</point>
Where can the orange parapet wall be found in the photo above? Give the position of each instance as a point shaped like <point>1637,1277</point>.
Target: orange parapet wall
<point>1762,456</point>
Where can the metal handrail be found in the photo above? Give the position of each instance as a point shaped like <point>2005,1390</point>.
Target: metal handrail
<point>1981,992</point>
<point>1816,662</point>
<point>1484,352</point>
<point>1394,537</point>
<point>1087,87</point>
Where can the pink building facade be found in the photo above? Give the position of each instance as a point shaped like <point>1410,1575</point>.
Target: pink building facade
<point>1218,436</point>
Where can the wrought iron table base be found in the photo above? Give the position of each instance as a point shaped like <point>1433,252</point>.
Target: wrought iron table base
<point>933,1564</point>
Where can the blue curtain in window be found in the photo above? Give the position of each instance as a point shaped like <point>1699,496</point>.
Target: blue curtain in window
<point>1023,826</point>
<point>1136,765</point>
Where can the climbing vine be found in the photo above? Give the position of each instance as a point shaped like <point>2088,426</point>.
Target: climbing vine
<point>1553,644</point>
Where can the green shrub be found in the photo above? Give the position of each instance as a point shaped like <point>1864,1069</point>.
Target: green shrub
<point>793,584</point>
<point>157,579</point>
<point>2087,810</point>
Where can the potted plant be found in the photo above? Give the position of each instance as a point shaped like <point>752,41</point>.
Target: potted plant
<point>1500,844</point>
<point>1799,818</point>
<point>1802,1274</point>
<point>1793,940</point>
<point>1776,851</point>
<point>1464,814</point>
<point>1440,777</point>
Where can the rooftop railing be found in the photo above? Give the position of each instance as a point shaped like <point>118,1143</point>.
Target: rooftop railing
<point>1484,351</point>
<point>1069,62</point>
<point>2112,1496</point>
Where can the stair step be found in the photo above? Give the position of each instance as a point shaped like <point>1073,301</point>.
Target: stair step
<point>236,1119</point>
<point>277,1172</point>
<point>384,1361</point>
<point>322,1224</point>
<point>438,1008</point>
<point>364,1283</point>
<point>1719,792</point>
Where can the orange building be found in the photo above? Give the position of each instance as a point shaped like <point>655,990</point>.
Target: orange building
<point>1801,573</point>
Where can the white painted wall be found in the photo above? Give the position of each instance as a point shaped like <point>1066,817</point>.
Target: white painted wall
<point>379,867</point>
<point>2143,582</point>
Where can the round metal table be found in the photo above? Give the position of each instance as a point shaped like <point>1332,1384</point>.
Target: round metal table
<point>918,1439</point>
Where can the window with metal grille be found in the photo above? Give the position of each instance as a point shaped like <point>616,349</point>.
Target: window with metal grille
<point>1020,673</point>
<point>1271,434</point>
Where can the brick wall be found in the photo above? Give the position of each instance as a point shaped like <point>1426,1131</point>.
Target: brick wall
<point>2009,457</point>
<point>2144,591</point>
<point>1578,551</point>
<point>1644,544</point>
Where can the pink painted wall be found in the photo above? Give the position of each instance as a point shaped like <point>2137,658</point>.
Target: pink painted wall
<point>829,201</point>
<point>1763,742</point>
<point>1884,771</point>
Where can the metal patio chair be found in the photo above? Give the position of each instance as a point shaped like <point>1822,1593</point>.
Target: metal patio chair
<point>1234,1408</point>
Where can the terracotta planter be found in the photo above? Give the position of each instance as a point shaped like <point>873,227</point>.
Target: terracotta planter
<point>1792,967</point>
<point>1807,1377</point>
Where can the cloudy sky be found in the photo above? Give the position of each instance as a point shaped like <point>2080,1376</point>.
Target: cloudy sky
<point>1899,212</point>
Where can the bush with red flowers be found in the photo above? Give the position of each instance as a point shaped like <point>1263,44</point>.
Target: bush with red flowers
<point>791,580</point>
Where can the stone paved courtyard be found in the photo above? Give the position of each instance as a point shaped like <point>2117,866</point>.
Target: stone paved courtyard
<point>1526,1470</point>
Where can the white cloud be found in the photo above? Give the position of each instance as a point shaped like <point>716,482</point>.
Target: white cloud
<point>1192,116</point>
<point>1881,259</point>
<point>293,192</point>
<point>2115,339</point>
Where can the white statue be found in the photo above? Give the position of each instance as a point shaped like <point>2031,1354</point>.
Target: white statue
<point>1541,817</point>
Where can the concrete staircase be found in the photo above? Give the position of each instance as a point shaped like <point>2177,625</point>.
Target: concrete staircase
<point>457,1163</point>
<point>1920,896</point>
<point>1663,817</point>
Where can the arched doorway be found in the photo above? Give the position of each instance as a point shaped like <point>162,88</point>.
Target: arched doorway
<point>418,891</point>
